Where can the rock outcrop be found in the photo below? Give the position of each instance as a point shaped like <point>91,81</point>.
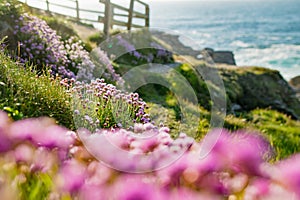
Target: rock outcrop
<point>295,84</point>
<point>247,88</point>
<point>223,57</point>
<point>256,87</point>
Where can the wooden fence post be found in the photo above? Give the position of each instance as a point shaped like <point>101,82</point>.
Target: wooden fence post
<point>48,9</point>
<point>130,15</point>
<point>147,20</point>
<point>77,11</point>
<point>108,18</point>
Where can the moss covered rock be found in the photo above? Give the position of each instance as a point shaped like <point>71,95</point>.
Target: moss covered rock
<point>295,84</point>
<point>256,87</point>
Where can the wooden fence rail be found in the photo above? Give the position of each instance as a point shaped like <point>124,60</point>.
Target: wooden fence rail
<point>107,17</point>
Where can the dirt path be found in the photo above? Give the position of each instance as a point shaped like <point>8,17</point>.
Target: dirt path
<point>84,32</point>
<point>173,43</point>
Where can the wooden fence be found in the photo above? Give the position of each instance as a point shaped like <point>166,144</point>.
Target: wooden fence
<point>106,17</point>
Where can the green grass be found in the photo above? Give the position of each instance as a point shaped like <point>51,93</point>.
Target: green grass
<point>23,94</point>
<point>281,130</point>
<point>33,96</point>
<point>197,83</point>
<point>37,186</point>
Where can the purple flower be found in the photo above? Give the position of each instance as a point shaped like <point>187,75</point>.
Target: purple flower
<point>24,153</point>
<point>240,151</point>
<point>92,192</point>
<point>43,160</point>
<point>45,48</point>
<point>41,132</point>
<point>71,177</point>
<point>136,187</point>
<point>287,172</point>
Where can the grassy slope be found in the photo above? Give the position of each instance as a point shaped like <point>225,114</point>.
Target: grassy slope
<point>282,132</point>
<point>280,129</point>
<point>21,89</point>
<point>38,97</point>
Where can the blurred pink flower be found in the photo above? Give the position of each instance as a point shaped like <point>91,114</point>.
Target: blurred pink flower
<point>24,153</point>
<point>43,160</point>
<point>288,174</point>
<point>5,142</point>
<point>41,132</point>
<point>71,176</point>
<point>136,187</point>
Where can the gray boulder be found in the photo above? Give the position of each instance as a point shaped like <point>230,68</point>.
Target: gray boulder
<point>295,84</point>
<point>223,57</point>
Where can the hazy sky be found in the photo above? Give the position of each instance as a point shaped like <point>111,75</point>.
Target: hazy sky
<point>148,1</point>
<point>195,0</point>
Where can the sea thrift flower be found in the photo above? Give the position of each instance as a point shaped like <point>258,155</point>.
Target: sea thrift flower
<point>133,152</point>
<point>24,153</point>
<point>43,160</point>
<point>174,167</point>
<point>136,187</point>
<point>154,54</point>
<point>53,136</point>
<point>71,176</point>
<point>41,46</point>
<point>101,105</point>
<point>103,66</point>
<point>92,192</point>
<point>288,174</point>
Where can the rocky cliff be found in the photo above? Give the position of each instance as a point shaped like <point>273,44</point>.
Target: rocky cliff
<point>255,87</point>
<point>247,88</point>
<point>295,84</point>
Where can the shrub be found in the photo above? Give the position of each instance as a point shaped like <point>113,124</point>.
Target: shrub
<point>41,46</point>
<point>62,27</point>
<point>101,105</point>
<point>149,52</point>
<point>33,96</point>
<point>36,96</point>
<point>30,39</point>
<point>198,84</point>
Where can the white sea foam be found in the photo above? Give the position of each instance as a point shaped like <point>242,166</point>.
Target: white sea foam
<point>282,57</point>
<point>195,39</point>
<point>239,43</point>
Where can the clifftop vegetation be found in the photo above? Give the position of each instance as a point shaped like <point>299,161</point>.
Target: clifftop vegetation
<point>46,70</point>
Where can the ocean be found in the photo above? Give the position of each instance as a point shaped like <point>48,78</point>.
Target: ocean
<point>260,33</point>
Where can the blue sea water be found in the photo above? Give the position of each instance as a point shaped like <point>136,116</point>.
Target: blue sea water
<point>259,32</point>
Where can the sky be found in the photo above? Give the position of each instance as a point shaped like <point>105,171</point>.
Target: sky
<point>148,1</point>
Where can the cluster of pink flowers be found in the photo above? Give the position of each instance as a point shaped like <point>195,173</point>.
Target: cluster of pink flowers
<point>101,105</point>
<point>161,53</point>
<point>150,54</point>
<point>235,168</point>
<point>104,67</point>
<point>40,45</point>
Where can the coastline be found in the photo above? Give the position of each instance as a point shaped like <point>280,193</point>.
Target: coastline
<point>187,53</point>
<point>173,43</point>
